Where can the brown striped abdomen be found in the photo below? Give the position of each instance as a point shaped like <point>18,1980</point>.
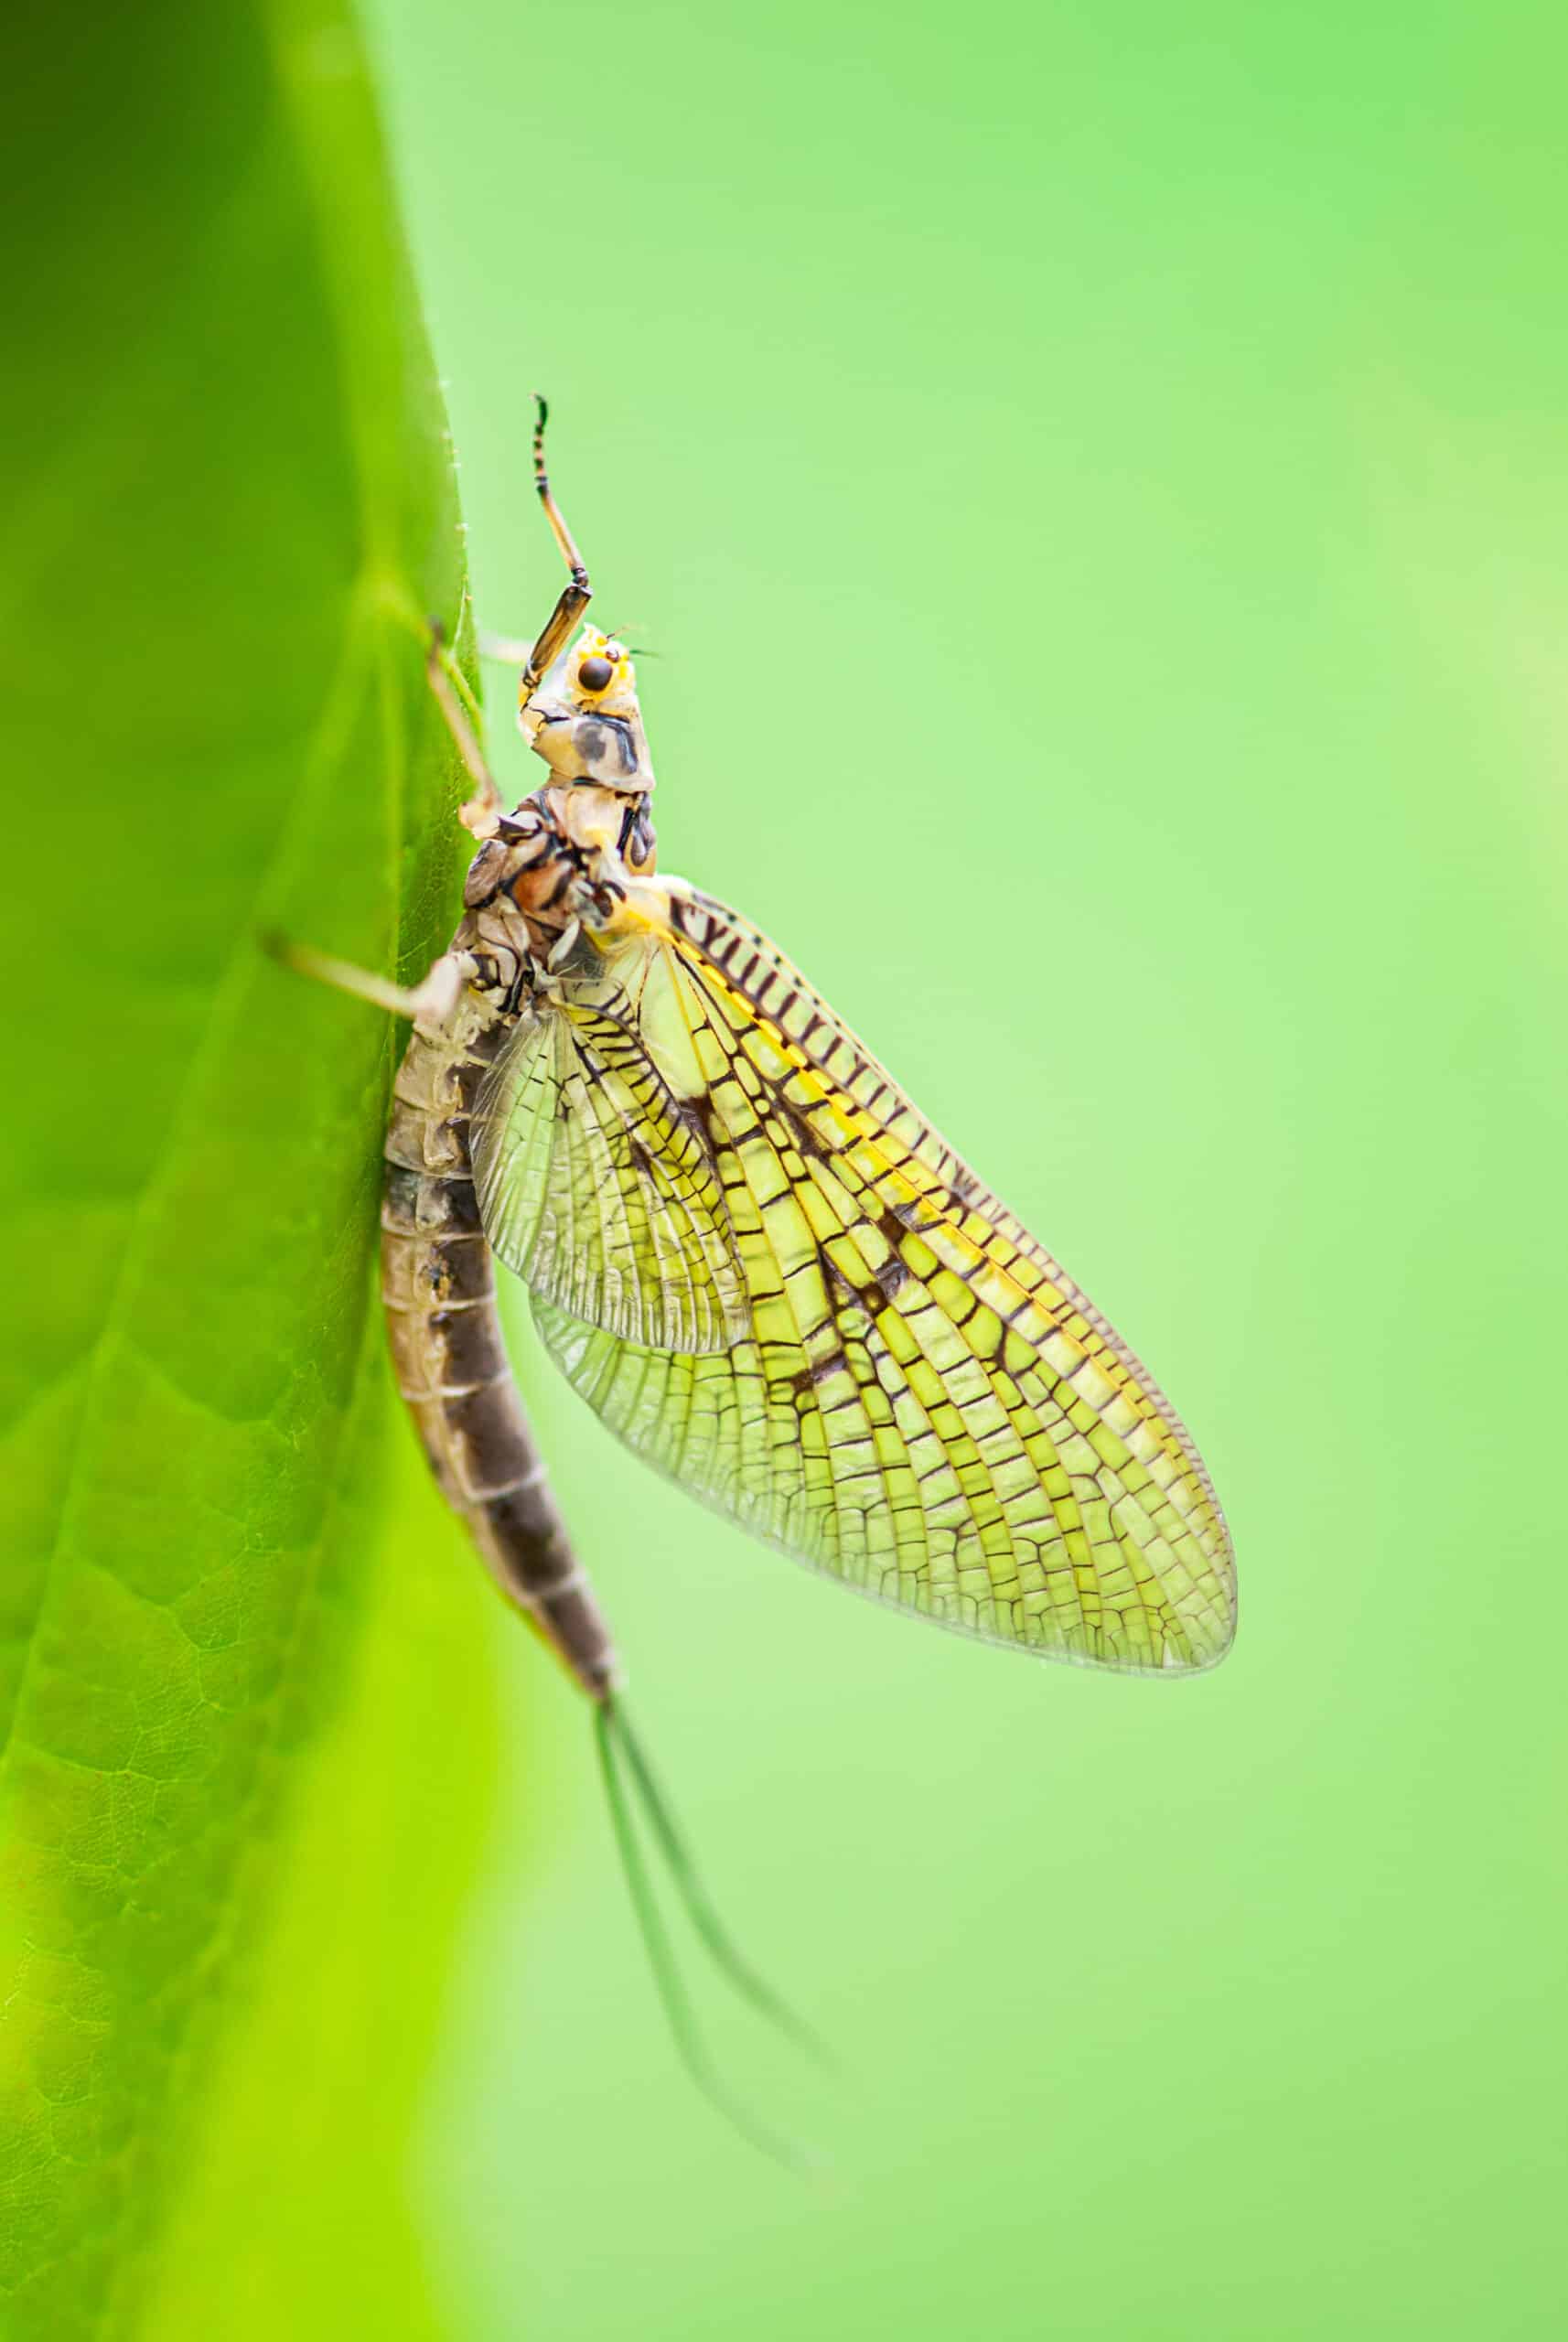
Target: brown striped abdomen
<point>438,1287</point>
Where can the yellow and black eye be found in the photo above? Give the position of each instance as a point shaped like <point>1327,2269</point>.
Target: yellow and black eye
<point>594,674</point>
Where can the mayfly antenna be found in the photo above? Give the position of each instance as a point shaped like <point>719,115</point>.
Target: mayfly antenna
<point>574,596</point>
<point>689,2042</point>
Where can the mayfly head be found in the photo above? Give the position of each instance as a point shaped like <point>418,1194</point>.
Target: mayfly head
<point>583,717</point>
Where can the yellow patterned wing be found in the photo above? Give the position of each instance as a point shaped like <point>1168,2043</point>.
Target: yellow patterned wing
<point>593,1186</point>
<point>915,1398</point>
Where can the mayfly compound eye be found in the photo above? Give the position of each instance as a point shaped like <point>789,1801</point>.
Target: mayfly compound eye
<point>594,674</point>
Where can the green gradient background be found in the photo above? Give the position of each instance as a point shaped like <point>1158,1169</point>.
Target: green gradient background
<point>1095,479</point>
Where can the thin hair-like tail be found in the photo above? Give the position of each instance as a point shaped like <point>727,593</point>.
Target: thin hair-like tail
<point>726,1954</point>
<point>615,1745</point>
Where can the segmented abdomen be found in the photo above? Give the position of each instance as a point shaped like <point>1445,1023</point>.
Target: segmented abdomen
<point>438,1287</point>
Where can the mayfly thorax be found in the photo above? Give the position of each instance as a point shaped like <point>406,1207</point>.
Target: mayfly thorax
<point>749,1253</point>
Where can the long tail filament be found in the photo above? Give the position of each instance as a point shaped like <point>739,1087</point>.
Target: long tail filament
<point>617,1748</point>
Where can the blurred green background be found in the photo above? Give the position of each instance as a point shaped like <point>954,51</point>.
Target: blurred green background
<point>1095,481</point>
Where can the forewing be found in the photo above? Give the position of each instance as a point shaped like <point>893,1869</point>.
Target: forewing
<point>922,1403</point>
<point>595,1189</point>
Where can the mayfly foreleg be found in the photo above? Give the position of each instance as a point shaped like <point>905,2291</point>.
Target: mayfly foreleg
<point>577,593</point>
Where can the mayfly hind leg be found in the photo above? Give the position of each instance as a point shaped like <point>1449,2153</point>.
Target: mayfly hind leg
<point>434,997</point>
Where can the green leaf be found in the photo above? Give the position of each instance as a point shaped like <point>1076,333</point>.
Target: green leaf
<point>234,1725</point>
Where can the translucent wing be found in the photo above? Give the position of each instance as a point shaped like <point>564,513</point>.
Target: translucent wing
<point>916,1399</point>
<point>593,1188</point>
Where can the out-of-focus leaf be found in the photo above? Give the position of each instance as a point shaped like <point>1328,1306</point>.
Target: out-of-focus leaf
<point>227,508</point>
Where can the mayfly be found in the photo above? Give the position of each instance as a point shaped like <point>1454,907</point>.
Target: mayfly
<point>747,1251</point>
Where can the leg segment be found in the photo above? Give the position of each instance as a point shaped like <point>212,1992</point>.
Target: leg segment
<point>483,810</point>
<point>435,997</point>
<point>574,596</point>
